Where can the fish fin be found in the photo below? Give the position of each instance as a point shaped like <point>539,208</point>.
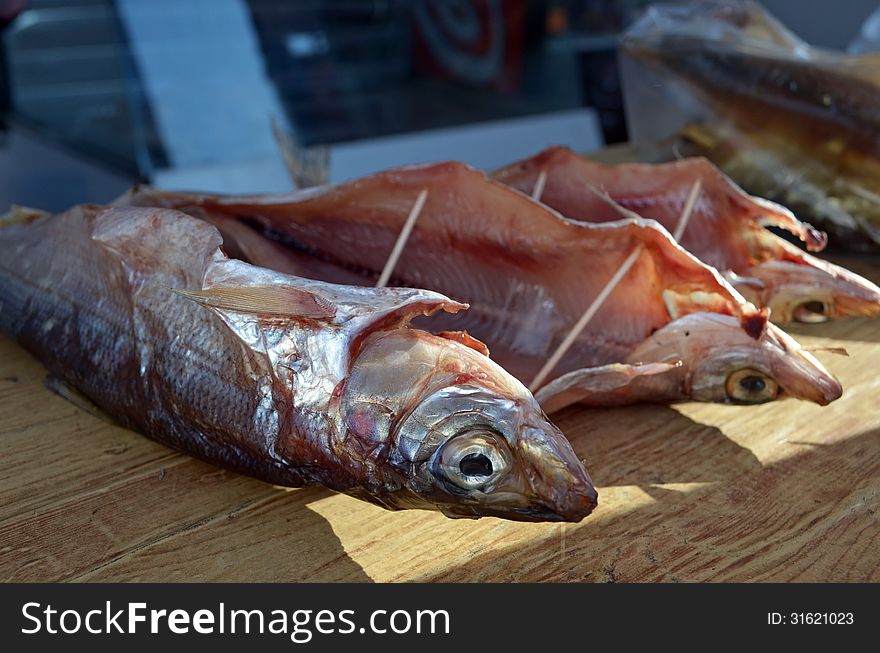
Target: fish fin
<point>77,398</point>
<point>679,304</point>
<point>839,351</point>
<point>754,321</point>
<point>466,339</point>
<point>264,300</point>
<point>420,303</point>
<point>780,217</point>
<point>306,167</point>
<point>608,385</point>
<point>21,215</point>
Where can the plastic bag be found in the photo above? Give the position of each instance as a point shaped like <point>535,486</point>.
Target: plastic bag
<point>793,123</point>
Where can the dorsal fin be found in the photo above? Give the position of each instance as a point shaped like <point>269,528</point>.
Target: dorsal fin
<point>754,321</point>
<point>264,300</point>
<point>466,339</point>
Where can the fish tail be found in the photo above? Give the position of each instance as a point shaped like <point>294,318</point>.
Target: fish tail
<point>21,215</point>
<point>307,167</point>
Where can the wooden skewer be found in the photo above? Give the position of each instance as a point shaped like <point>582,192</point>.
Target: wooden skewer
<point>688,210</point>
<point>864,193</point>
<point>538,190</point>
<point>591,311</point>
<point>402,238</point>
<point>305,167</point>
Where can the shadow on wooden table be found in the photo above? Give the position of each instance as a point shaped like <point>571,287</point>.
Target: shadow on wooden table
<point>647,445</point>
<point>190,522</point>
<point>810,517</point>
<point>861,329</point>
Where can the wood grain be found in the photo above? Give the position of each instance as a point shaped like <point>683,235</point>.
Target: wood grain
<point>784,491</point>
<point>787,491</point>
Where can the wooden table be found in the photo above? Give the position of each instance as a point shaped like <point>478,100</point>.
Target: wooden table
<point>786,491</point>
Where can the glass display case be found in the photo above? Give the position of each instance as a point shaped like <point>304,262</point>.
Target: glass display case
<point>184,92</point>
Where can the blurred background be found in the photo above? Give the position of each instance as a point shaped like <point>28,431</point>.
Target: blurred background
<point>98,94</point>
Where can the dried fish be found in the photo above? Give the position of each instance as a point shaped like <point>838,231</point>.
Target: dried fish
<point>528,273</point>
<point>727,228</point>
<point>290,380</point>
<point>787,121</point>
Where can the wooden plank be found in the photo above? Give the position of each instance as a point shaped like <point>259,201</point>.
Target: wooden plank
<point>784,491</point>
<point>49,449</point>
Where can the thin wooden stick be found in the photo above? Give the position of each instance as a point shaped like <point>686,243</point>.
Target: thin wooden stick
<point>402,238</point>
<point>688,210</point>
<point>591,311</point>
<point>538,190</point>
<point>864,193</point>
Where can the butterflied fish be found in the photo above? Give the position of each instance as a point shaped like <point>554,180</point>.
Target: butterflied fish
<point>726,228</point>
<point>290,380</point>
<point>529,275</point>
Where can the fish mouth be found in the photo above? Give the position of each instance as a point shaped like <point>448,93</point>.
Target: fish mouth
<point>579,506</point>
<point>539,513</point>
<point>865,303</point>
<point>561,488</point>
<point>825,387</point>
<point>798,371</point>
<point>811,381</point>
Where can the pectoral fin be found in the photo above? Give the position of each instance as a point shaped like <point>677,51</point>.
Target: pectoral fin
<point>465,339</point>
<point>680,304</point>
<point>611,385</point>
<point>264,300</point>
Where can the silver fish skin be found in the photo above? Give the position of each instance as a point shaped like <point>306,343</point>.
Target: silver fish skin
<point>293,381</point>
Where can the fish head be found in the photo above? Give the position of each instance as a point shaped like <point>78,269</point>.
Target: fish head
<point>457,433</point>
<point>814,292</point>
<point>724,363</point>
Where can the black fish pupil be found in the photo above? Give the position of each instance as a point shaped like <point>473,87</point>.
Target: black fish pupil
<point>475,464</point>
<point>814,307</point>
<point>753,384</point>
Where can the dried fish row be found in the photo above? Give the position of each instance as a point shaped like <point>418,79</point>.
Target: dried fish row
<point>672,330</point>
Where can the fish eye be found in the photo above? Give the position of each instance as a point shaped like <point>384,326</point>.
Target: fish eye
<point>475,464</point>
<point>749,386</point>
<point>811,312</point>
<point>472,459</point>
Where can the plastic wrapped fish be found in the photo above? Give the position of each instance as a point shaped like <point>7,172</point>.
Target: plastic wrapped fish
<point>786,121</point>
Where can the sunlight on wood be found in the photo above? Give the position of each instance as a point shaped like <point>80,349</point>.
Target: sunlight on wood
<point>786,491</point>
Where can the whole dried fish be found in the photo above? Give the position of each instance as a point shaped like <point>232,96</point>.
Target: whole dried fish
<point>290,380</point>
<point>726,228</point>
<point>787,121</point>
<point>529,275</point>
